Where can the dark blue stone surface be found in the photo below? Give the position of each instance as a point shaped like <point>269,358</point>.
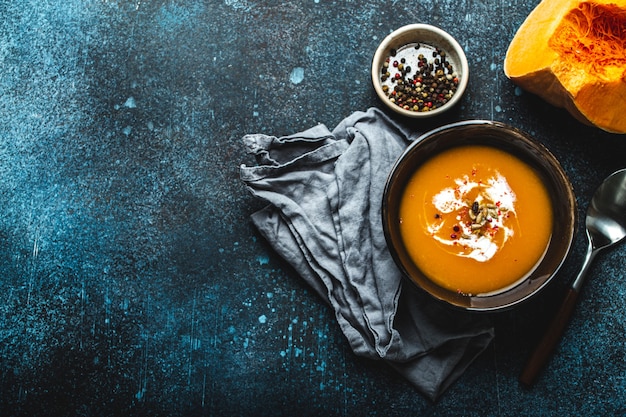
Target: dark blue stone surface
<point>132,281</point>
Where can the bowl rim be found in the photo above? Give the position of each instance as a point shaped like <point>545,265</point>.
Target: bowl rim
<point>484,303</point>
<point>383,49</point>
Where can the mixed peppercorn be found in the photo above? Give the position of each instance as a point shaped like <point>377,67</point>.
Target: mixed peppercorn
<point>416,83</point>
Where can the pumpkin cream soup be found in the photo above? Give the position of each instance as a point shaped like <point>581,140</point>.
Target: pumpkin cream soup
<point>475,219</point>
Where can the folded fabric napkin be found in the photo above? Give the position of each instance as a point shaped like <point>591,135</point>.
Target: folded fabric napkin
<point>325,191</point>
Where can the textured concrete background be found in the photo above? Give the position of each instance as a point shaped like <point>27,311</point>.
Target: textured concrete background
<point>131,280</point>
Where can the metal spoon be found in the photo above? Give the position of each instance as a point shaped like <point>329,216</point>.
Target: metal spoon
<point>605,226</point>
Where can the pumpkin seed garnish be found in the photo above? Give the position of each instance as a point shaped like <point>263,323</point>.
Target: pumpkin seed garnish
<point>482,213</point>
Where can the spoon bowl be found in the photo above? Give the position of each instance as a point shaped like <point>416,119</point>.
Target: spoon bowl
<point>605,226</point>
<point>606,216</point>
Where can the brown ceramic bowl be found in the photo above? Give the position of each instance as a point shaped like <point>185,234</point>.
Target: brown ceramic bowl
<point>508,139</point>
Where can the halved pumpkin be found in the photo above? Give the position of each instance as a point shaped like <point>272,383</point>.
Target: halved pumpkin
<point>572,53</point>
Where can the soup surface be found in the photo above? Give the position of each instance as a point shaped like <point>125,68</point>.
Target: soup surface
<point>475,219</point>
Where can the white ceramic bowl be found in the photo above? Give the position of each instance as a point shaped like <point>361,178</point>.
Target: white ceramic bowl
<point>408,42</point>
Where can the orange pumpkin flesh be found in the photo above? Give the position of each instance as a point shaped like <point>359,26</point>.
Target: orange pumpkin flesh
<point>573,55</point>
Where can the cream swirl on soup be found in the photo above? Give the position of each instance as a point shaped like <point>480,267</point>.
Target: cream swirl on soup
<point>480,212</point>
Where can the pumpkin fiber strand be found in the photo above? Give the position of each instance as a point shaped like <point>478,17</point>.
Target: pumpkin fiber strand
<point>599,32</point>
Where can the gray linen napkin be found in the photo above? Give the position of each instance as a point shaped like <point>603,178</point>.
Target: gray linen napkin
<point>325,192</point>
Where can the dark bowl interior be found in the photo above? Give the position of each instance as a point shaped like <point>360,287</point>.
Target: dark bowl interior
<point>508,139</point>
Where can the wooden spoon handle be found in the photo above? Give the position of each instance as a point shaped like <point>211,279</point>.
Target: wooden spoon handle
<point>551,337</point>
